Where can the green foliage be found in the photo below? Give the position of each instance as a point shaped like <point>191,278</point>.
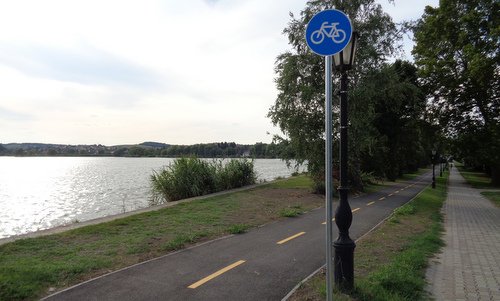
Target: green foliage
<point>457,54</point>
<point>402,211</point>
<point>238,228</point>
<point>396,138</point>
<point>233,174</point>
<point>403,278</point>
<point>223,150</point>
<point>493,196</point>
<point>184,178</point>
<point>476,179</point>
<point>368,178</point>
<point>146,149</point>
<point>181,240</point>
<point>293,211</point>
<point>189,177</point>
<point>479,148</point>
<point>386,105</point>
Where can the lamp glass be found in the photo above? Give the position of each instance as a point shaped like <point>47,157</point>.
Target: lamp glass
<point>344,60</point>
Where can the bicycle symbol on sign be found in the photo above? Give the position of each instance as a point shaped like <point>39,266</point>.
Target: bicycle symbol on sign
<point>331,31</point>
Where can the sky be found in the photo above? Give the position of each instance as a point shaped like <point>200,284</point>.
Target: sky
<point>124,72</point>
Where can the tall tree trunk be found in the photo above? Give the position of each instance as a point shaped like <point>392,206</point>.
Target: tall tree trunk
<point>495,175</point>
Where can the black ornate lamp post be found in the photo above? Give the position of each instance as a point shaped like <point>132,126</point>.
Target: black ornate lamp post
<point>344,245</point>
<point>433,164</point>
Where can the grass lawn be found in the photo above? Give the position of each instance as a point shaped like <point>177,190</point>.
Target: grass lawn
<point>481,181</point>
<point>390,262</point>
<point>493,196</point>
<point>30,268</point>
<point>475,179</point>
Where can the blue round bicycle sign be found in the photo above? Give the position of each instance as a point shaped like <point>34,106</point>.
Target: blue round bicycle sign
<point>328,32</point>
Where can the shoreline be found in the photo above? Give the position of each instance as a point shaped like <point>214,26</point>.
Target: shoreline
<point>76,225</point>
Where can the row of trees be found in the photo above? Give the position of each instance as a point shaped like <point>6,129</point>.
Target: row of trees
<point>398,111</point>
<point>210,150</point>
<point>457,52</point>
<point>147,149</point>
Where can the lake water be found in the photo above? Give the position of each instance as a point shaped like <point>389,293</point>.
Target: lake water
<point>39,193</point>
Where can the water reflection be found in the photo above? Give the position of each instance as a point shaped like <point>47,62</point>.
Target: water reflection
<point>43,192</point>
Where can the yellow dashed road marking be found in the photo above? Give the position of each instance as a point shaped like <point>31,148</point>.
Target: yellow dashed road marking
<point>324,223</point>
<point>290,238</point>
<point>216,274</point>
<point>353,210</point>
<point>370,203</point>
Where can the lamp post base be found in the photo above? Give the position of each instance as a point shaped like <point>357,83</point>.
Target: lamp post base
<point>344,264</point>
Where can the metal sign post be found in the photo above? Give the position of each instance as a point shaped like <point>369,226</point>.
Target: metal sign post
<point>328,175</point>
<point>328,33</point>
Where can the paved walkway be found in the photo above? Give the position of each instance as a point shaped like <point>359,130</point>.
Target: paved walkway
<point>469,266</point>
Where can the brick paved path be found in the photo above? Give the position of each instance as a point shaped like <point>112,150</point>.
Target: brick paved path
<point>469,266</point>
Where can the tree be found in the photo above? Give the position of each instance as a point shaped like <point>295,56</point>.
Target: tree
<point>457,52</point>
<point>396,125</point>
<point>299,107</point>
<point>136,151</point>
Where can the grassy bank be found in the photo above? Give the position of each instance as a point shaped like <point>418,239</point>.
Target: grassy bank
<point>475,179</point>
<point>390,262</point>
<point>480,180</point>
<point>30,268</point>
<point>493,196</point>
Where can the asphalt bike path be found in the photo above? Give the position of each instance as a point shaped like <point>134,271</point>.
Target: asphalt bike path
<point>262,264</point>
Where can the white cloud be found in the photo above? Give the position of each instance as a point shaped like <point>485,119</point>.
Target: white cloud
<point>115,72</point>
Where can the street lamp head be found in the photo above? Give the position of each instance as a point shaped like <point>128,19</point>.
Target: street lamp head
<point>344,60</point>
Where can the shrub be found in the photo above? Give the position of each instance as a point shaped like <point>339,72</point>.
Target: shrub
<point>368,178</point>
<point>238,228</point>
<point>235,173</point>
<point>190,177</point>
<point>292,211</point>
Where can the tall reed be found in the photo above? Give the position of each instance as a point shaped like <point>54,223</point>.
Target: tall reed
<point>189,177</point>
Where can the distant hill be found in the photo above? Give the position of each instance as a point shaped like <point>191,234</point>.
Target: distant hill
<point>14,146</point>
<point>155,144</point>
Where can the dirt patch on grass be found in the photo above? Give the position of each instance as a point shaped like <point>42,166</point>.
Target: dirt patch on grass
<point>264,205</point>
